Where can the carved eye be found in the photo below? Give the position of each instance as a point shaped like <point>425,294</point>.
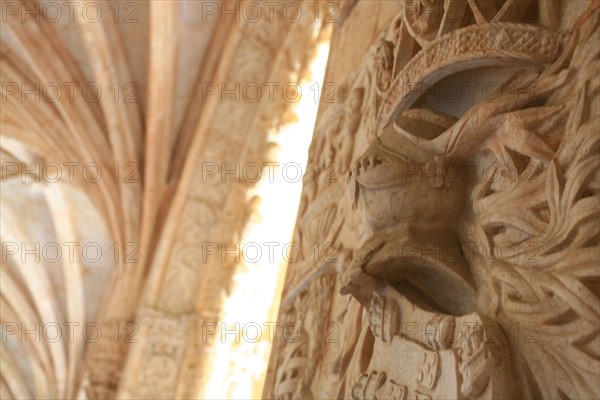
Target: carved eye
<point>423,123</point>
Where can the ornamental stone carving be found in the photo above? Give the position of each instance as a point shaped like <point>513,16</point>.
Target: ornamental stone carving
<point>468,226</point>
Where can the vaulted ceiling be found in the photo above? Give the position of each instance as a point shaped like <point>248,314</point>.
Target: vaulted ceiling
<point>106,117</point>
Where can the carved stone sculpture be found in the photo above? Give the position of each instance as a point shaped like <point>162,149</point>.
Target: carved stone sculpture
<point>470,227</point>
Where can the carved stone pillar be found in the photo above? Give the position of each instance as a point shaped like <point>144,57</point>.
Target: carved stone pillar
<point>195,260</point>
<point>464,213</point>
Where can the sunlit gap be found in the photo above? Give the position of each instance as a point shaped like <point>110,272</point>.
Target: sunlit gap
<point>238,369</point>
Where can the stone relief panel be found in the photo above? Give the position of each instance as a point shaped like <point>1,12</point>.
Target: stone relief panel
<point>164,337</point>
<point>465,259</point>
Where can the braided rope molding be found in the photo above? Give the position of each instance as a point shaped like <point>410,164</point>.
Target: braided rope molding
<point>473,46</point>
